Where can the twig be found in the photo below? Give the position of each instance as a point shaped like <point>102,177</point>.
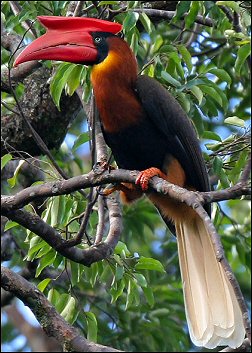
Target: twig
<point>16,8</point>
<point>246,172</point>
<point>170,14</point>
<point>83,256</point>
<point>227,12</point>
<point>52,323</point>
<point>115,220</point>
<point>78,8</point>
<point>101,220</point>
<point>104,249</point>
<point>84,223</point>
<point>35,135</point>
<point>8,107</point>
<point>209,51</point>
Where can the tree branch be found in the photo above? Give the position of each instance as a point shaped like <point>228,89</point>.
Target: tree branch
<point>52,323</point>
<point>16,9</point>
<point>105,249</point>
<point>170,14</point>
<point>95,178</point>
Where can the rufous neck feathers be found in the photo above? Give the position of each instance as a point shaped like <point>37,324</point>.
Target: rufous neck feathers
<point>114,81</point>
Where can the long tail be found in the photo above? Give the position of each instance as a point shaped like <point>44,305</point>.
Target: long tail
<point>213,315</point>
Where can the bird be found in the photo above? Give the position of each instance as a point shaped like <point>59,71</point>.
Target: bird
<point>147,130</point>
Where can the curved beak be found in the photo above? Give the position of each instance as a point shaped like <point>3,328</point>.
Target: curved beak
<point>67,39</point>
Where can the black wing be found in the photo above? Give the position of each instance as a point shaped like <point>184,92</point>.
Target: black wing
<point>168,116</point>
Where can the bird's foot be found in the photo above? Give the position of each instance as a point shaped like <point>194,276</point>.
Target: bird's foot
<point>109,189</point>
<point>145,176</point>
<point>128,192</point>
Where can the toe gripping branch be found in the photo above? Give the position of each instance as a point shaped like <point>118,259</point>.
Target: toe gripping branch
<point>130,192</point>
<point>145,176</point>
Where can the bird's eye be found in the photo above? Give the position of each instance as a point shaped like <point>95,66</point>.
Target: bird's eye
<point>98,40</point>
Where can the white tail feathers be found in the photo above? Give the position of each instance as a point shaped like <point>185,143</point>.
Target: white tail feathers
<point>212,311</point>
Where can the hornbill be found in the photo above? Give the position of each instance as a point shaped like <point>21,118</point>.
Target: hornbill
<point>147,130</point>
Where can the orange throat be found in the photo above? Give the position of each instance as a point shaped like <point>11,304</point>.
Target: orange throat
<point>113,81</point>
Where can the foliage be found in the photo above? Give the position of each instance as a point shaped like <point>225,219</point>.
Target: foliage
<point>137,292</point>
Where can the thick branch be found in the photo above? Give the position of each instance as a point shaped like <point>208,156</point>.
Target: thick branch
<point>104,249</point>
<point>61,187</point>
<point>170,14</point>
<point>52,323</point>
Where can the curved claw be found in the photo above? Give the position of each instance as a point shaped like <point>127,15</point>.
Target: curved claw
<point>144,177</point>
<point>109,189</point>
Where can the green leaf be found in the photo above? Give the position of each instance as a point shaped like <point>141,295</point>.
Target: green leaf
<point>43,251</point>
<point>68,210</point>
<point>132,294</point>
<point>43,284</point>
<point>134,43</point>
<point>118,291</point>
<point>54,211</point>
<point>81,139</point>
<point>53,296</point>
<point>141,280</point>
<point>12,181</point>
<point>147,263</point>
<point>234,120</point>
<point>193,12</point>
<point>62,302</point>
<point>175,57</point>
<point>130,21</point>
<point>146,22</point>
<point>242,55</point>
<point>94,273</point>
<point>121,247</point>
<point>186,56</point>
<point>75,273</point>
<point>47,260</point>
<point>184,101</point>
<point>92,326</point>
<point>68,313</point>
<point>196,91</point>
<point>210,135</point>
<point>5,159</point>
<point>101,3</point>
<point>10,224</point>
<point>59,81</point>
<point>73,81</point>
<point>182,7</point>
<point>212,93</point>
<point>222,75</point>
<point>148,293</point>
<point>36,243</point>
<point>168,78</point>
<point>224,179</point>
<point>217,165</point>
<point>192,83</point>
<point>119,272</point>
<point>234,5</point>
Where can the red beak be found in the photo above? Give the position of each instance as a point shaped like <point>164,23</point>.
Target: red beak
<point>67,39</point>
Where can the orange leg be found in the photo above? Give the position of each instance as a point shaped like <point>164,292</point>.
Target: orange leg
<point>145,176</point>
<point>110,189</point>
<point>129,192</point>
